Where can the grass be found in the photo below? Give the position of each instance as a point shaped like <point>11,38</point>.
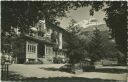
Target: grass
<point>17,77</point>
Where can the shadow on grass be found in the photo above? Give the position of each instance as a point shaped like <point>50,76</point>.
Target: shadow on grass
<point>64,79</point>
<point>111,70</point>
<point>12,75</point>
<point>16,77</point>
<point>50,69</point>
<point>103,70</point>
<point>57,69</point>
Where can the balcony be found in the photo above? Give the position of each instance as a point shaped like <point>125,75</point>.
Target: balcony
<point>38,37</point>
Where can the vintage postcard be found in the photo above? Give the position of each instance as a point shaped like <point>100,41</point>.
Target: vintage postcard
<point>64,41</point>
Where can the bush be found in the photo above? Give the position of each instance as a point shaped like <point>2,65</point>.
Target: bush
<point>88,68</point>
<point>58,60</point>
<point>3,59</point>
<point>67,68</point>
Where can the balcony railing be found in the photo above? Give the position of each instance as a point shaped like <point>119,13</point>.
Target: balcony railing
<point>46,38</point>
<point>43,36</point>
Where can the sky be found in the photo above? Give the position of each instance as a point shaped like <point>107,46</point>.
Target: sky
<point>80,15</point>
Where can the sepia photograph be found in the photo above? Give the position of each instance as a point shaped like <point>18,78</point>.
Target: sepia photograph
<point>63,41</point>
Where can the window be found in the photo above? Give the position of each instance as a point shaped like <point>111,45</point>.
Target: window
<point>28,48</point>
<point>42,23</point>
<point>39,27</point>
<point>42,26</point>
<point>31,48</point>
<point>49,50</point>
<point>34,49</point>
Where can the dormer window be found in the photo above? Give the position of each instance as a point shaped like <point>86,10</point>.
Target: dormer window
<point>42,24</point>
<point>41,28</point>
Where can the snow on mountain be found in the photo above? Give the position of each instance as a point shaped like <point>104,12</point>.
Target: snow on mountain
<point>89,25</point>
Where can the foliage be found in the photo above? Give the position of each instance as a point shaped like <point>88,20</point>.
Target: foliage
<point>7,39</point>
<point>76,47</point>
<point>95,47</point>
<point>26,14</point>
<point>11,43</point>
<point>100,46</point>
<point>116,20</point>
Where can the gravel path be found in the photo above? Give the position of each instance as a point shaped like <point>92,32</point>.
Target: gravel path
<point>51,70</point>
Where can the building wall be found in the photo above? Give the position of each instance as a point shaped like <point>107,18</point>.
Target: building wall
<point>49,53</point>
<point>60,40</point>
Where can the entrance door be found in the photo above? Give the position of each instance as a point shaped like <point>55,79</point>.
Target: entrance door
<point>41,51</point>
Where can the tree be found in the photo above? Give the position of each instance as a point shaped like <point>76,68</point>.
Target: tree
<point>116,20</point>
<point>22,15</point>
<point>99,42</point>
<point>6,41</point>
<point>26,14</point>
<point>76,48</point>
<point>96,46</point>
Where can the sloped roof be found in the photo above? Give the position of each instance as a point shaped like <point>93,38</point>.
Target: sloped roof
<point>53,26</point>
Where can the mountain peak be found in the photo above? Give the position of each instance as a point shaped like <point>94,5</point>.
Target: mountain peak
<point>91,24</point>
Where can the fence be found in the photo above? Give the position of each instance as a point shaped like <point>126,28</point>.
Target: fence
<point>4,71</point>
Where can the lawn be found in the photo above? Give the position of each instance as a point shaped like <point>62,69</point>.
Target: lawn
<point>51,72</point>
